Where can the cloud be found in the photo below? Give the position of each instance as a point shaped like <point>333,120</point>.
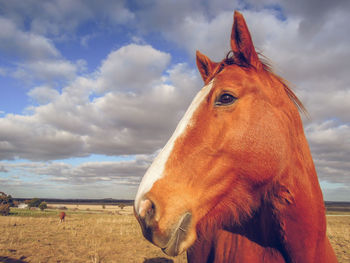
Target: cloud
<point>340,194</point>
<point>127,172</point>
<point>59,18</point>
<point>133,113</point>
<point>315,13</point>
<point>36,57</point>
<point>141,122</point>
<point>24,45</point>
<point>43,94</point>
<point>203,34</point>
<point>3,169</point>
<point>190,24</point>
<point>3,72</point>
<point>26,137</point>
<point>330,140</point>
<point>87,180</point>
<point>132,67</point>
<point>330,146</point>
<point>46,71</point>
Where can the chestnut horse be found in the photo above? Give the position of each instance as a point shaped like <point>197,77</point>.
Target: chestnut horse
<point>62,216</point>
<point>236,181</point>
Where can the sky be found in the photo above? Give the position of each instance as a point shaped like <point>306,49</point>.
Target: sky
<point>92,90</point>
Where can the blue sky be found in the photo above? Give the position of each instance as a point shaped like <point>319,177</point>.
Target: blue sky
<point>77,122</point>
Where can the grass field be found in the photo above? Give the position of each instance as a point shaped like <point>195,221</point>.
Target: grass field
<point>94,234</point>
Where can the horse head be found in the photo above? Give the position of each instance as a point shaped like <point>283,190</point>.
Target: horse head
<point>239,147</point>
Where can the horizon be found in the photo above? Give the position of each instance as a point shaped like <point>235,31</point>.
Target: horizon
<point>77,122</point>
<point>115,199</point>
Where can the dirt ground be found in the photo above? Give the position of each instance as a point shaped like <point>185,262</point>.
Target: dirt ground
<point>112,235</point>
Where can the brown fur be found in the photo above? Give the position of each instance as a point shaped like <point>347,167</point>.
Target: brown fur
<point>244,171</point>
<point>62,216</point>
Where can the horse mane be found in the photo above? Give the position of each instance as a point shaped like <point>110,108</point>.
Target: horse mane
<point>237,59</point>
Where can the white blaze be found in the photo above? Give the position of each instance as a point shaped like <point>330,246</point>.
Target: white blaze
<point>156,170</point>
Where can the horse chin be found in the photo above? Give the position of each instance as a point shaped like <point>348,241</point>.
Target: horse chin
<point>180,239</point>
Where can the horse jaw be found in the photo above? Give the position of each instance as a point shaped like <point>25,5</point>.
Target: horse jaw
<point>180,239</point>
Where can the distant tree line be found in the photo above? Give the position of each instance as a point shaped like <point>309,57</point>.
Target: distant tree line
<point>36,202</point>
<point>106,201</point>
<point>6,201</point>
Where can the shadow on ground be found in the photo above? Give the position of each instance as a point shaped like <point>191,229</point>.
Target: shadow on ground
<point>12,260</point>
<point>158,260</point>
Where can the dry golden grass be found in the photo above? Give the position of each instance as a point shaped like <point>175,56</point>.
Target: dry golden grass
<point>108,236</point>
<point>338,231</point>
<point>83,237</point>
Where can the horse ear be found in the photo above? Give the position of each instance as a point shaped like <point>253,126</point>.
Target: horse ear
<point>205,66</point>
<point>242,44</point>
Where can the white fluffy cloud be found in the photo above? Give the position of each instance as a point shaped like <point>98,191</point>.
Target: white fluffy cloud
<point>139,102</point>
<point>132,68</point>
<point>46,71</point>
<point>43,94</point>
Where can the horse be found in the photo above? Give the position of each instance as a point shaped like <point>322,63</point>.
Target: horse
<point>62,215</point>
<point>236,181</point>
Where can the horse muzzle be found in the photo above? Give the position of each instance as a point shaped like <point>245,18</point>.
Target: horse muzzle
<point>170,240</point>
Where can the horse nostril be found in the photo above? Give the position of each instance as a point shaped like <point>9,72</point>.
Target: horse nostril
<point>147,209</point>
<point>145,216</point>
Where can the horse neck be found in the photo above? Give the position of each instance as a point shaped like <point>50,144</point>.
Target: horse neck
<point>255,240</point>
<point>292,221</point>
<point>264,230</point>
<point>288,226</point>
<point>298,208</point>
<point>291,215</point>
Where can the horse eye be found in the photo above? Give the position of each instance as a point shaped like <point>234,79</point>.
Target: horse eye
<point>225,99</point>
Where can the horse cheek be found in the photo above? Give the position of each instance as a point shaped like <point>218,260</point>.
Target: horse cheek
<point>259,154</point>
